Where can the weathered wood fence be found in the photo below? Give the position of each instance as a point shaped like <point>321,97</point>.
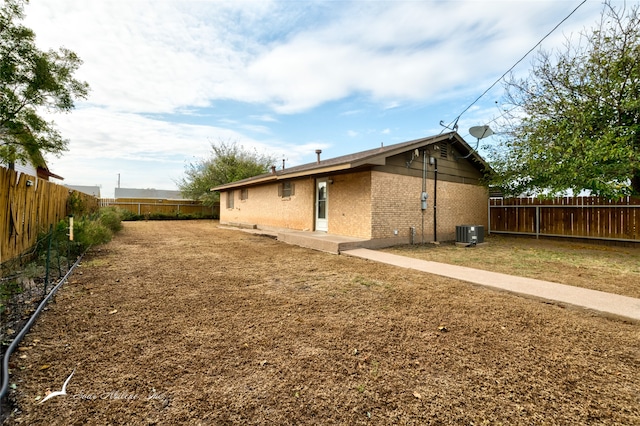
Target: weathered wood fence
<point>145,206</point>
<point>574,217</point>
<point>29,206</point>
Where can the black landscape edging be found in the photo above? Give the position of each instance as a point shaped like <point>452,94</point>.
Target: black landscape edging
<point>25,330</point>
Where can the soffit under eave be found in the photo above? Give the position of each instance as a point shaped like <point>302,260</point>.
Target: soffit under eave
<point>281,177</point>
<point>316,171</point>
<point>380,160</point>
<point>474,157</point>
<point>253,182</point>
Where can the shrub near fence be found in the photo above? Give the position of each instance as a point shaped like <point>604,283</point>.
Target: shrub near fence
<point>576,217</point>
<point>162,207</point>
<point>29,206</point>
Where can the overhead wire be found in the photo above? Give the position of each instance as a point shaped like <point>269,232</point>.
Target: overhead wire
<point>453,124</point>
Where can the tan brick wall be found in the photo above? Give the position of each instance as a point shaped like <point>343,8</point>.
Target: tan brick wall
<point>350,205</point>
<point>265,208</point>
<point>460,204</point>
<point>369,205</point>
<point>396,206</point>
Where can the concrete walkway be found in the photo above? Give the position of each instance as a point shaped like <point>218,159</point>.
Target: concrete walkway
<point>607,304</point>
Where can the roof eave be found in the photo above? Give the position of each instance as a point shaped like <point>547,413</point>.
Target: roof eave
<point>376,159</point>
<point>316,171</point>
<point>43,171</point>
<point>380,160</point>
<point>473,154</point>
<point>245,182</point>
<point>281,175</point>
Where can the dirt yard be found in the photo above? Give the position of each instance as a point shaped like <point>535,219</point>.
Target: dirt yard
<point>185,323</point>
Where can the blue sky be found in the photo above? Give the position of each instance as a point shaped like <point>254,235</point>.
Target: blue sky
<point>170,77</point>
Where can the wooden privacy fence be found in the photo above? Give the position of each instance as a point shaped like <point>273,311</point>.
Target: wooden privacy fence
<point>145,206</point>
<point>29,206</point>
<point>576,217</point>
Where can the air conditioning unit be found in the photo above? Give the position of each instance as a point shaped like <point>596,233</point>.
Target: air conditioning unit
<point>470,234</point>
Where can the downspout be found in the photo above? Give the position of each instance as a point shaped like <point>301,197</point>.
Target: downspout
<point>435,199</point>
<point>424,189</point>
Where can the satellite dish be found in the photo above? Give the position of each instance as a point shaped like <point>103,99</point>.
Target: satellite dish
<point>480,132</point>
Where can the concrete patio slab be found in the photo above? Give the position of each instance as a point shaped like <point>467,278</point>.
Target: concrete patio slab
<point>320,241</point>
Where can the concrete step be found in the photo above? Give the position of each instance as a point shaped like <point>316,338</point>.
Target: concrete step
<point>320,241</point>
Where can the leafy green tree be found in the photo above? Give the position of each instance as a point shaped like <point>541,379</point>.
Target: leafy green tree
<point>31,79</point>
<point>229,162</point>
<point>575,121</point>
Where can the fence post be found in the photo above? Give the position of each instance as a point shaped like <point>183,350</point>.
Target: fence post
<point>68,254</point>
<point>537,222</point>
<point>46,268</point>
<point>58,256</point>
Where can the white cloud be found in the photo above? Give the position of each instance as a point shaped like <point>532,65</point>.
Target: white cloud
<point>265,118</point>
<point>150,56</point>
<point>398,51</point>
<point>147,56</point>
<point>257,128</point>
<point>173,59</point>
<point>132,136</point>
<point>153,153</point>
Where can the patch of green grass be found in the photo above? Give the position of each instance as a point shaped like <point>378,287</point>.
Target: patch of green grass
<point>374,368</point>
<point>366,282</point>
<point>95,262</point>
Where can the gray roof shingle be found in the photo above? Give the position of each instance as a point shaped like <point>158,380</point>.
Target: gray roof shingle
<point>370,157</point>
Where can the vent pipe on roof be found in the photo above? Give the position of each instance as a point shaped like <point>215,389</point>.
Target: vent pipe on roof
<point>283,164</point>
<point>318,152</point>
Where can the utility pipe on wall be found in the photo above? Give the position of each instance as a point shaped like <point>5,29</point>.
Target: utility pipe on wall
<point>435,199</point>
<point>423,196</point>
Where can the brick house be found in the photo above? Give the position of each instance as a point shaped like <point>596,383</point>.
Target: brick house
<point>373,195</point>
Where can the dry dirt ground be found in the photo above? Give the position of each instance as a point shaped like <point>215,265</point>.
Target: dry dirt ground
<point>185,323</point>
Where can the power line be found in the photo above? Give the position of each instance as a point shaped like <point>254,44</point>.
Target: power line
<point>455,122</point>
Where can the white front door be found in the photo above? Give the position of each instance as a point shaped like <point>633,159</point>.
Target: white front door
<point>322,221</point>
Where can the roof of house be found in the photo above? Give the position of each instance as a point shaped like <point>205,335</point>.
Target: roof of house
<point>371,157</point>
<point>35,166</point>
<point>45,173</point>
<point>148,193</point>
<point>86,189</point>
<point>41,166</point>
